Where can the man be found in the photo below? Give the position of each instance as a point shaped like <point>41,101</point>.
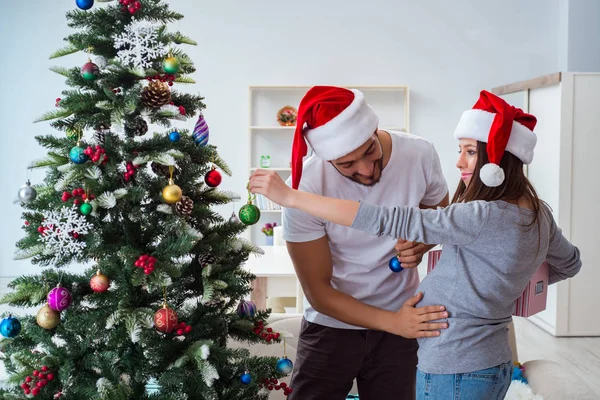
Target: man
<point>360,319</point>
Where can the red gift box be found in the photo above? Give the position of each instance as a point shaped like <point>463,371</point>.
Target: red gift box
<point>533,299</point>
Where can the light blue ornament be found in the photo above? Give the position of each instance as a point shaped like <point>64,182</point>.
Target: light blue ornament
<point>201,132</point>
<point>174,136</point>
<point>284,365</point>
<point>10,327</point>
<point>77,155</point>
<point>246,378</point>
<point>395,264</point>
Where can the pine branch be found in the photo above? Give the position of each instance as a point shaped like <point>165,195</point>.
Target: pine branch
<point>53,160</point>
<point>54,114</point>
<point>66,72</point>
<point>177,37</point>
<point>184,79</point>
<point>65,51</point>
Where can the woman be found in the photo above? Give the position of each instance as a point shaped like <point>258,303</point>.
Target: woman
<point>495,234</point>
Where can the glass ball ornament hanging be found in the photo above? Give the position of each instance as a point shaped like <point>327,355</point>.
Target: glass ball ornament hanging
<point>174,136</point>
<point>84,4</point>
<point>99,282</point>
<point>77,154</point>
<point>395,264</point>
<point>246,378</point>
<point>284,365</point>
<point>59,298</point>
<point>10,327</point>
<point>171,65</point>
<point>249,214</point>
<point>48,318</point>
<point>27,193</point>
<point>90,71</point>
<point>86,208</point>
<point>213,178</point>
<point>246,309</point>
<point>171,193</point>
<point>165,319</point>
<point>234,219</point>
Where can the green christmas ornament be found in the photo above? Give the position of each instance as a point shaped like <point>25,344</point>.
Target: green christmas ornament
<point>74,133</point>
<point>171,65</point>
<point>86,208</point>
<point>90,71</point>
<point>249,214</point>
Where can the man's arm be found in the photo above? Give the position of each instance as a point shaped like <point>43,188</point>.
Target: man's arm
<point>411,254</point>
<point>313,265</point>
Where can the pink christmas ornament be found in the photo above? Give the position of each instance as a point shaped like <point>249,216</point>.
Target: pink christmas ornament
<point>59,298</point>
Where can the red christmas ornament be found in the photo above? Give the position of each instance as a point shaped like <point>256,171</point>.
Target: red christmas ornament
<point>99,282</point>
<point>165,319</point>
<point>213,178</point>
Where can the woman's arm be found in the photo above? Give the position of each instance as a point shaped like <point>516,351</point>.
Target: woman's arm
<point>458,224</point>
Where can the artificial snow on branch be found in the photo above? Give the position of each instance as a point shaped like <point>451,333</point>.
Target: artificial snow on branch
<point>139,46</point>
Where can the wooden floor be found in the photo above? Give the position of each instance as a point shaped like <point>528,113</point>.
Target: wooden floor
<point>580,355</point>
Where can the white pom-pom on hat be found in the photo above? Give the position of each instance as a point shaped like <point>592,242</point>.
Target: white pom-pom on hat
<point>491,175</point>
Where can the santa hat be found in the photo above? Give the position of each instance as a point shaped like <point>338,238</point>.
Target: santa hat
<point>504,128</point>
<point>338,121</point>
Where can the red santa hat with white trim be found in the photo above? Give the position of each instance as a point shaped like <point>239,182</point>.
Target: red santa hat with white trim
<point>504,128</point>
<point>335,122</point>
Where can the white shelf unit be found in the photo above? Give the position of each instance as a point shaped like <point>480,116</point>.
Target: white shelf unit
<point>564,174</point>
<point>267,137</point>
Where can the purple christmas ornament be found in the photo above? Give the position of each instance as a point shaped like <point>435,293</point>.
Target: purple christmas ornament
<point>246,309</point>
<point>201,132</point>
<point>59,298</point>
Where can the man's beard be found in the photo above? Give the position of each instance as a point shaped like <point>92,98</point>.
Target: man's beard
<point>378,165</point>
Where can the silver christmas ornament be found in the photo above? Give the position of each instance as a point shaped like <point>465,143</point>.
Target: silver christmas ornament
<point>27,193</point>
<point>234,219</point>
<point>101,62</point>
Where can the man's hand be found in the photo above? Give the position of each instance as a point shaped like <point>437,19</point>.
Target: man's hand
<point>411,322</point>
<point>410,254</point>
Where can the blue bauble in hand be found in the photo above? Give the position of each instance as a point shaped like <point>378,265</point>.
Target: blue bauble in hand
<point>84,4</point>
<point>395,264</point>
<point>10,327</point>
<point>284,365</point>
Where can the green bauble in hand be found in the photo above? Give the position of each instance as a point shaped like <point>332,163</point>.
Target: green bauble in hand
<point>249,214</point>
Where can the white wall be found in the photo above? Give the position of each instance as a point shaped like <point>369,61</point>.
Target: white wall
<point>445,51</point>
<point>581,18</point>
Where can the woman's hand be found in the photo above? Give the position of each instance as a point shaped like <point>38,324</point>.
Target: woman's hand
<point>269,184</point>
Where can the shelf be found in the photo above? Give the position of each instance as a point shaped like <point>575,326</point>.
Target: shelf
<point>270,211</point>
<point>273,169</point>
<point>273,128</point>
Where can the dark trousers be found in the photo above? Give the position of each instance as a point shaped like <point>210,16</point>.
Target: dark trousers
<point>329,359</point>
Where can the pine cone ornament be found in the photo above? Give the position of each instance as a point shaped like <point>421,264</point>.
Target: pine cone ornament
<point>163,170</point>
<point>206,259</point>
<point>137,126</point>
<point>100,134</point>
<point>156,94</point>
<point>184,206</point>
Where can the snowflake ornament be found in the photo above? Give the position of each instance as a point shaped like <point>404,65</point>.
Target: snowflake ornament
<point>138,46</point>
<point>61,230</point>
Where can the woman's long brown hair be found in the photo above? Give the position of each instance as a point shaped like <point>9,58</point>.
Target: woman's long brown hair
<point>515,185</point>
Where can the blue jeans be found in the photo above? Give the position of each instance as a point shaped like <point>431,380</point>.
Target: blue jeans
<point>487,384</point>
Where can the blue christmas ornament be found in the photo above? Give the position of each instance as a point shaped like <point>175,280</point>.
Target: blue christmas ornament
<point>77,155</point>
<point>395,264</point>
<point>84,4</point>
<point>174,136</point>
<point>246,378</point>
<point>247,309</point>
<point>201,132</point>
<point>284,365</point>
<point>10,327</point>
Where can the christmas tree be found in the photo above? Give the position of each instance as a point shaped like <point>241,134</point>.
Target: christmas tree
<point>163,293</point>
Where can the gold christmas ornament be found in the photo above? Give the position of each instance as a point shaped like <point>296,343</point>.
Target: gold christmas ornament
<point>171,193</point>
<point>47,318</point>
<point>156,94</point>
